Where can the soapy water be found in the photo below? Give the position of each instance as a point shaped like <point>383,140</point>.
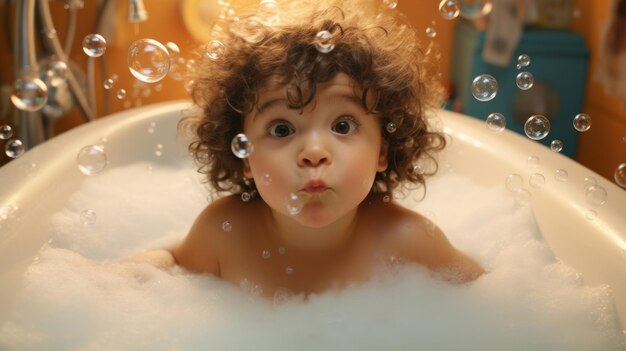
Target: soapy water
<point>76,296</point>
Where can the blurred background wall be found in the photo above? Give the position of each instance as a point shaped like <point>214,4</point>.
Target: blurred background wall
<point>601,148</point>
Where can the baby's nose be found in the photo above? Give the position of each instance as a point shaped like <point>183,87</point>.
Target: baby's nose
<point>314,152</point>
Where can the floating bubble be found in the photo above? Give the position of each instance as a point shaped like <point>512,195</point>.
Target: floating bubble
<point>532,162</point>
<point>561,175</point>
<point>392,4</point>
<point>514,182</point>
<point>88,217</point>
<point>537,180</point>
<point>293,204</point>
<point>94,45</point>
<point>252,30</point>
<point>266,254</point>
<point>591,215</point>
<point>474,9</point>
<point>537,127</point>
<point>6,132</point>
<point>268,12</point>
<point>29,94</point>
<point>431,32</point>
<point>525,80</point>
<point>523,60</point>
<point>245,196</point>
<point>241,146</point>
<point>391,127</point>
<point>582,122</point>
<point>121,94</point>
<point>588,181</point>
<point>596,195</point>
<point>227,226</point>
<point>556,145</point>
<point>289,270</point>
<point>449,9</point>
<point>14,148</point>
<point>148,60</point>
<point>620,175</point>
<point>267,179</point>
<point>214,50</point>
<point>496,122</point>
<point>91,159</point>
<point>108,83</point>
<point>324,41</point>
<point>484,87</point>
<point>55,72</point>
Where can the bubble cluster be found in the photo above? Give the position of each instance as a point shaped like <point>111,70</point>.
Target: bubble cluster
<point>241,146</point>
<point>14,148</point>
<point>537,127</point>
<point>148,60</point>
<point>496,122</point>
<point>94,45</point>
<point>91,159</point>
<point>582,122</point>
<point>449,9</point>
<point>29,94</point>
<point>484,87</point>
<point>525,80</point>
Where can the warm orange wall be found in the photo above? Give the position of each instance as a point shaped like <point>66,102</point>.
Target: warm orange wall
<point>601,148</point>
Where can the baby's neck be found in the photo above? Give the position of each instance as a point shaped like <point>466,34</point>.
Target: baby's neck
<point>285,231</point>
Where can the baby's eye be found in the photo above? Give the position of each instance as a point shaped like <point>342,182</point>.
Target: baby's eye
<point>280,129</point>
<point>345,126</point>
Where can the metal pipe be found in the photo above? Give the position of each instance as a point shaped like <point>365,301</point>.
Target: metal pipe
<point>137,11</point>
<point>29,125</point>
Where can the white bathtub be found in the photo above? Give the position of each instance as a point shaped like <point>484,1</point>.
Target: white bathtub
<point>30,195</point>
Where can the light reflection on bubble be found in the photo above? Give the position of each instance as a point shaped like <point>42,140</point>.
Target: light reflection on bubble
<point>148,60</point>
<point>561,175</point>
<point>496,122</point>
<point>91,159</point>
<point>14,148</point>
<point>484,87</point>
<point>241,146</point>
<point>556,145</point>
<point>449,9</point>
<point>596,195</point>
<point>525,80</point>
<point>29,94</point>
<point>620,175</point>
<point>582,122</point>
<point>537,127</point>
<point>94,45</point>
<point>324,42</point>
<point>523,60</point>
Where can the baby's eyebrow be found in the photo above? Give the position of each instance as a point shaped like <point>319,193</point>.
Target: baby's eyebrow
<point>270,103</point>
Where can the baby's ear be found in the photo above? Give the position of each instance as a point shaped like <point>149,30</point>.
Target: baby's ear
<point>382,157</point>
<point>247,173</point>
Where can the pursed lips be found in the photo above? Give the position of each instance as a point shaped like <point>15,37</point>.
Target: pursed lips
<point>315,187</point>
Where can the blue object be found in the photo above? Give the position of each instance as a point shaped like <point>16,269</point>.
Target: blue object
<point>558,62</point>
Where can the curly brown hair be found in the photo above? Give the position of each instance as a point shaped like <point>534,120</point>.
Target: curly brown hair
<point>397,80</point>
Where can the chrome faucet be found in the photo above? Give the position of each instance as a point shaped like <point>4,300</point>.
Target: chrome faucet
<point>137,11</point>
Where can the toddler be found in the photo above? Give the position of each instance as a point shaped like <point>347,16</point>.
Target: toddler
<point>327,101</point>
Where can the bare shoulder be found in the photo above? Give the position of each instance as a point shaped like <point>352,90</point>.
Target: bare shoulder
<point>212,234</point>
<point>415,238</point>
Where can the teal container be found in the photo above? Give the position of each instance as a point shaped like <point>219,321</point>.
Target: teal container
<point>559,66</point>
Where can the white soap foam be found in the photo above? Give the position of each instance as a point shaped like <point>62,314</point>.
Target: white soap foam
<point>76,297</point>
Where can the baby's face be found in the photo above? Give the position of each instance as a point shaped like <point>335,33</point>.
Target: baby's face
<point>327,155</point>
